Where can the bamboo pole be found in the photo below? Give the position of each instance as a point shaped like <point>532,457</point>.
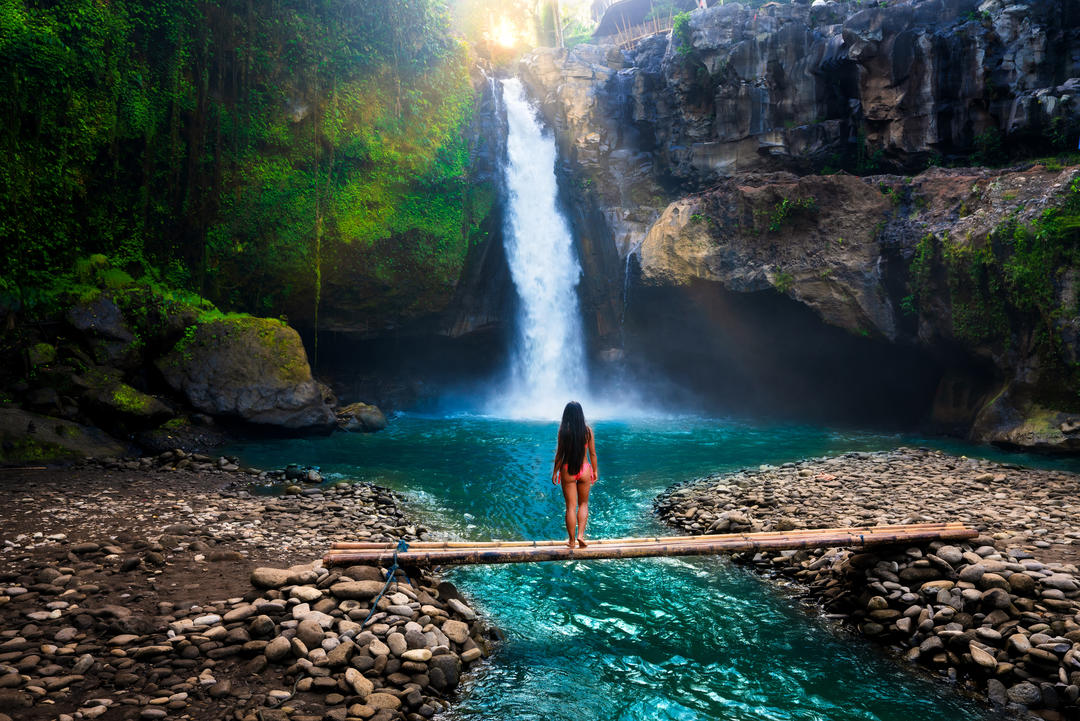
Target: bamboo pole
<point>439,545</point>
<point>745,543</point>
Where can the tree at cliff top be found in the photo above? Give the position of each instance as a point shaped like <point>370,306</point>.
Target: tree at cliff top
<point>252,152</point>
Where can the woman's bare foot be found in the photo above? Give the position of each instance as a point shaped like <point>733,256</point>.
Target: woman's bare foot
<point>570,543</point>
<point>581,543</point>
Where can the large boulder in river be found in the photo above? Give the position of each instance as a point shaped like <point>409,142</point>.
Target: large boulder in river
<point>361,417</point>
<point>250,368</point>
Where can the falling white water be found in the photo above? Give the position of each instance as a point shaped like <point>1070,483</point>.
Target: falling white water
<point>549,357</point>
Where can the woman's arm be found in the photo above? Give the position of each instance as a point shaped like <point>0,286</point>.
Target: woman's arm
<point>592,452</point>
<point>560,476</point>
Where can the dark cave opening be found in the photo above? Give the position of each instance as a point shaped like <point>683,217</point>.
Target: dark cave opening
<point>763,354</point>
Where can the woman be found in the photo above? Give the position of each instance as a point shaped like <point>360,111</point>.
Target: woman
<point>574,471</point>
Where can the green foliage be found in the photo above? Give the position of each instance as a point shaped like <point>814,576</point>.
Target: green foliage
<point>577,32</point>
<point>662,10</point>
<point>979,311</point>
<point>1061,132</point>
<point>919,274</point>
<point>226,148</point>
<point>988,148</point>
<point>908,306</point>
<point>891,193</point>
<point>788,209</point>
<point>1009,282</point>
<point>41,354</point>
<point>27,450</point>
<point>867,159</point>
<point>681,33</point>
<point>783,281</point>
<point>702,219</point>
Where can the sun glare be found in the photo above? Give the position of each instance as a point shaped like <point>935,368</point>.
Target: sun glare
<point>504,33</point>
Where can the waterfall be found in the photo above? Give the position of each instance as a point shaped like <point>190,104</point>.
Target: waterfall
<point>549,354</point>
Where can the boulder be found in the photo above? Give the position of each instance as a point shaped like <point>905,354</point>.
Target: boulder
<point>123,403</point>
<point>100,318</point>
<point>450,667</point>
<point>195,434</point>
<point>108,398</point>
<point>29,437</point>
<point>102,324</point>
<point>361,417</point>
<point>250,368</point>
<point>270,577</point>
<point>40,354</point>
<point>1010,419</point>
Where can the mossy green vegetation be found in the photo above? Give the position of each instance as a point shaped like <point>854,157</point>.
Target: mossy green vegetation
<point>267,337</point>
<point>41,354</point>
<point>783,281</point>
<point>680,31</point>
<point>31,450</point>
<point>1011,280</point>
<point>235,152</point>
<point>787,210</point>
<point>128,400</point>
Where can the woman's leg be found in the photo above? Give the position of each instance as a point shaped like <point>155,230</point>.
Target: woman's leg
<point>569,492</point>
<point>582,510</point>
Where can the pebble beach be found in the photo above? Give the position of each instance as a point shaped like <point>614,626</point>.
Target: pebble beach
<point>999,615</point>
<point>166,587</point>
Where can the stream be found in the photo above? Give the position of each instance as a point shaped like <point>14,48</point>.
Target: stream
<point>629,639</point>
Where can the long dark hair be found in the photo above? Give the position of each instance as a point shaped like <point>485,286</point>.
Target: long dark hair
<point>573,437</point>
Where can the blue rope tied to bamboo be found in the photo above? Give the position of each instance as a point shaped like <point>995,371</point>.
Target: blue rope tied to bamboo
<point>402,546</point>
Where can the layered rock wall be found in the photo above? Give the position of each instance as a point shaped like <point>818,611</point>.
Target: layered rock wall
<point>792,86</point>
<point>703,151</point>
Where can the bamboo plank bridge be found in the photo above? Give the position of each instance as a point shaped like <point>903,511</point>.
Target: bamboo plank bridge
<point>439,553</point>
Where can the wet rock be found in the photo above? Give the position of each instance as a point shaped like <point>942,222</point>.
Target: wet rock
<point>361,417</point>
<point>456,631</point>
<point>449,666</point>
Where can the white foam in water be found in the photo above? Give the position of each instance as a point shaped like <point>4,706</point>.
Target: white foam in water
<point>549,357</point>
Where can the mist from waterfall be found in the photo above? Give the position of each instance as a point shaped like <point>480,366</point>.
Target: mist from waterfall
<point>549,354</point>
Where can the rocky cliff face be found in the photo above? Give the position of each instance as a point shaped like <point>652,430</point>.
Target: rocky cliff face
<point>792,86</point>
<point>703,150</point>
<point>369,349</point>
<point>940,261</point>
<point>797,87</point>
